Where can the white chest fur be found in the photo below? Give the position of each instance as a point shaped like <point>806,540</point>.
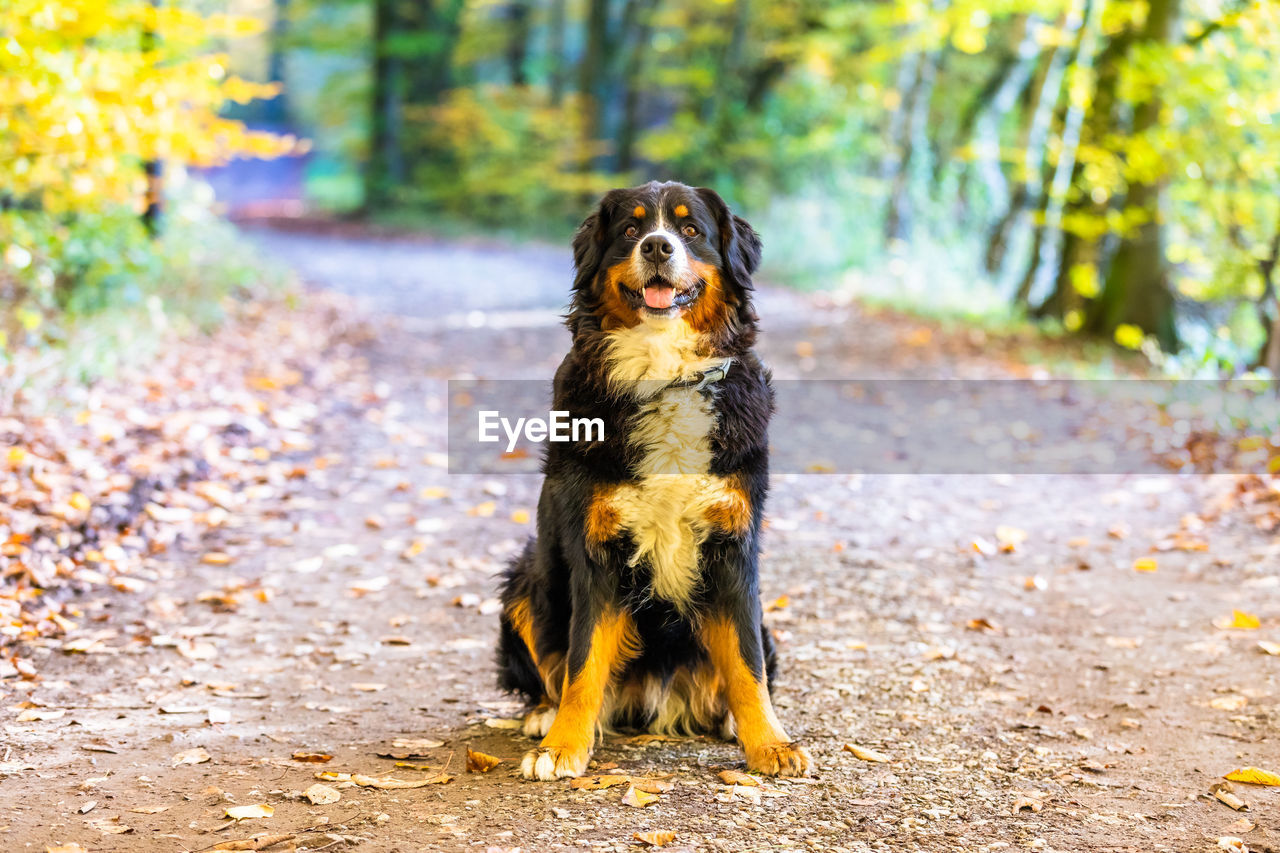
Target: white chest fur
<point>666,512</point>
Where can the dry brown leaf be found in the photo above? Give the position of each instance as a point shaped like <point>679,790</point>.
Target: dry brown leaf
<point>149,809</point>
<point>657,838</point>
<point>413,745</point>
<point>389,784</point>
<point>1025,802</point>
<point>197,755</point>
<point>480,762</point>
<point>311,757</point>
<point>637,798</point>
<point>322,795</point>
<point>865,754</point>
<point>595,783</point>
<point>257,810</point>
<point>1224,794</point>
<point>652,786</point>
<point>66,848</point>
<point>261,842</point>
<point>1253,776</point>
<point>737,777</point>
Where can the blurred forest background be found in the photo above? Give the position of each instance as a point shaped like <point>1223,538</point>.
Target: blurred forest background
<point>1105,168</point>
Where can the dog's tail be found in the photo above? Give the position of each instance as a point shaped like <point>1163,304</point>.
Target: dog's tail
<point>517,672</point>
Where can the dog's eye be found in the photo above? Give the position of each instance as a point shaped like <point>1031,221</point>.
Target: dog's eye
<point>632,231</point>
<point>689,231</point>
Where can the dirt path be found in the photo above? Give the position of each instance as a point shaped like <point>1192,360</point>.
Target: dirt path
<point>1049,699</point>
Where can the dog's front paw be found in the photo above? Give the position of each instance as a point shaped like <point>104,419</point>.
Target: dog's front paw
<point>553,762</point>
<point>538,721</point>
<point>779,759</point>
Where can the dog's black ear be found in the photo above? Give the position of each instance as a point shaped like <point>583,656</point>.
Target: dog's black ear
<point>739,243</point>
<point>589,245</point>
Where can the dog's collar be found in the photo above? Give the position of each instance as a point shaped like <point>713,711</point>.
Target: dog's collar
<point>704,379</point>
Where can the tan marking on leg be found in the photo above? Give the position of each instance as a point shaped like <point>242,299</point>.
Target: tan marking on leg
<point>520,616</point>
<point>768,748</point>
<point>567,747</point>
<point>732,512</point>
<point>603,520</point>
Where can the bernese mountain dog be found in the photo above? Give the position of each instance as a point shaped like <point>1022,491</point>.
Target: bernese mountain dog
<point>637,605</point>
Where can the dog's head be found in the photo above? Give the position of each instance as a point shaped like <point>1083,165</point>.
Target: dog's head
<point>665,252</point>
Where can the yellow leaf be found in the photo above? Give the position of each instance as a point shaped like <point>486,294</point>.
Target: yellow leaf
<point>1145,564</point>
<point>737,777</point>
<point>865,754</point>
<point>1240,621</point>
<point>1254,776</point>
<point>638,799</point>
<point>779,603</point>
<point>80,502</point>
<point>249,812</point>
<point>520,516</point>
<point>657,838</point>
<point>479,762</point>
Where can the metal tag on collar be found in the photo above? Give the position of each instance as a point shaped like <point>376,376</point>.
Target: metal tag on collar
<point>714,374</point>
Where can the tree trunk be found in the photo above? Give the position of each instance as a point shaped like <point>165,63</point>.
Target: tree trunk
<point>385,168</point>
<point>556,23</point>
<point>414,43</point>
<point>1078,250</point>
<point>518,19</point>
<point>633,83</point>
<point>277,109</point>
<point>1269,311</point>
<point>591,78</point>
<point>1137,289</point>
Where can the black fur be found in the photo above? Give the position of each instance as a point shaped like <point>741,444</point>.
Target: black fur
<point>568,583</point>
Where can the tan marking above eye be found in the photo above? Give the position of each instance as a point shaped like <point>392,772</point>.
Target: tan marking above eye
<point>681,210</point>
<point>639,211</point>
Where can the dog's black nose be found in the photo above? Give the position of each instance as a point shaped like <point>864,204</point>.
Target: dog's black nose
<point>656,248</point>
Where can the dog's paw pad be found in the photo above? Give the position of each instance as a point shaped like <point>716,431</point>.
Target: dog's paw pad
<point>550,763</point>
<point>780,759</point>
<point>538,721</point>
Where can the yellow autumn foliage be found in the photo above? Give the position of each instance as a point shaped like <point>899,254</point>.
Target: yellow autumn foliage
<point>90,90</point>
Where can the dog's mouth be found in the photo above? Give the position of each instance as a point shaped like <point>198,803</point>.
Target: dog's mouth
<point>661,296</point>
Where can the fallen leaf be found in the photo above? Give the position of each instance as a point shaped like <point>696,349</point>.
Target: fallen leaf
<point>737,777</point>
<point>1269,647</point>
<point>657,838</point>
<point>198,755</point>
<point>66,848</point>
<point>322,795</point>
<point>595,783</point>
<point>416,744</point>
<point>865,754</point>
<point>261,842</point>
<point>1228,703</point>
<point>1224,794</point>
<point>479,762</point>
<point>779,603</point>
<point>652,786</point>
<point>1025,802</point>
<point>389,784</point>
<point>1232,844</point>
<point>637,798</point>
<point>981,624</point>
<point>1242,825</point>
<point>1253,776</point>
<point>1009,538</point>
<point>368,687</point>
<point>216,558</point>
<point>311,757</point>
<point>1240,621</point>
<point>504,723</point>
<point>37,715</point>
<point>149,809</point>
<point>1145,564</point>
<point>258,810</point>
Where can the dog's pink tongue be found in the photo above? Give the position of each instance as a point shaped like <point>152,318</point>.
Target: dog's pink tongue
<point>659,296</point>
